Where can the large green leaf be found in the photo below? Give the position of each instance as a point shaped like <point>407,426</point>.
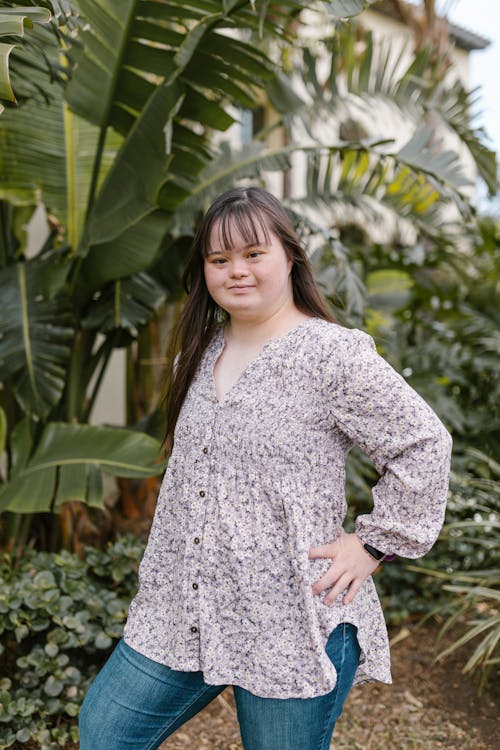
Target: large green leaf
<point>12,23</point>
<point>102,45</point>
<point>125,304</point>
<point>47,154</point>
<point>130,189</point>
<point>130,45</point>
<point>131,252</point>
<point>36,332</point>
<point>72,449</point>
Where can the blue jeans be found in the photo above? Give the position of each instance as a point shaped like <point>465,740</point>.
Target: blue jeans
<point>135,703</point>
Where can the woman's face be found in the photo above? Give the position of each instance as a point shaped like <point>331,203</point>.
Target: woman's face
<point>250,281</point>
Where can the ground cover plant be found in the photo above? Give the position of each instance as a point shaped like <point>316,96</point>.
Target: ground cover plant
<point>59,617</point>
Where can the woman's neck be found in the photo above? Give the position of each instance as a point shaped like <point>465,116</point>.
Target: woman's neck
<point>252,333</point>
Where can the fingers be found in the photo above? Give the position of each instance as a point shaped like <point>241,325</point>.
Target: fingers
<point>353,590</point>
<point>326,580</point>
<point>324,550</point>
<point>345,583</point>
<point>340,585</point>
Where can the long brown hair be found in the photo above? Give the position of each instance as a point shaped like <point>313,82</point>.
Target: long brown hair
<point>248,210</point>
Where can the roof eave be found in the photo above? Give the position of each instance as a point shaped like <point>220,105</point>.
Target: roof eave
<point>463,38</point>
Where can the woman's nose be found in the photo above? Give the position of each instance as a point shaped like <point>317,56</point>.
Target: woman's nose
<point>238,268</point>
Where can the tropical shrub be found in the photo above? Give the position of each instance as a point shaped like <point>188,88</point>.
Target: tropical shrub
<point>465,565</point>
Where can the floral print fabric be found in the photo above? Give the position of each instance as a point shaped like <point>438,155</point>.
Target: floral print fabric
<point>253,482</point>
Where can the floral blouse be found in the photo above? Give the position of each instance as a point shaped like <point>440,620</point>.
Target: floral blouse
<point>256,479</point>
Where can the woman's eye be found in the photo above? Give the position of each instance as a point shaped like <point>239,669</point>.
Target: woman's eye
<point>218,261</point>
<point>254,254</point>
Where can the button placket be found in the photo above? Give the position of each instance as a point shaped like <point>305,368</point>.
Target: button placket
<point>202,479</point>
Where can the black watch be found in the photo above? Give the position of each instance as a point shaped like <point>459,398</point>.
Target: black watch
<point>376,553</point>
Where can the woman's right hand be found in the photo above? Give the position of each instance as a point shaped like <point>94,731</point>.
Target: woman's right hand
<point>351,566</point>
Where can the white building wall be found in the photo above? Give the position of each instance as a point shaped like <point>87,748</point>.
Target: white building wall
<point>384,26</point>
<point>110,406</point>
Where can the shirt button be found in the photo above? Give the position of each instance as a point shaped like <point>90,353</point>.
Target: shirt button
<point>202,493</point>
<point>196,540</point>
<point>195,585</point>
<point>194,629</point>
<point>205,450</point>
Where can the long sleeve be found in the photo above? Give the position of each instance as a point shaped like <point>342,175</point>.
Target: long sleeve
<point>409,446</point>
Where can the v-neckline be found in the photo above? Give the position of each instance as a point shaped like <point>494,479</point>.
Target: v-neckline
<point>267,344</point>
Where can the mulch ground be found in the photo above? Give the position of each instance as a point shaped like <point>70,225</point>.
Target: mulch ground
<point>429,706</point>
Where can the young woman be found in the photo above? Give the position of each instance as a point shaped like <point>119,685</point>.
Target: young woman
<point>248,578</point>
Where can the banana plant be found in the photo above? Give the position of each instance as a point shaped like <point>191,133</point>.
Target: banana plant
<point>107,163</point>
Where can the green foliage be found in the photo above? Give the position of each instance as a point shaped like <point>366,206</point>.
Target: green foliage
<point>59,618</point>
<point>355,89</point>
<point>66,464</point>
<point>477,601</point>
<point>465,564</point>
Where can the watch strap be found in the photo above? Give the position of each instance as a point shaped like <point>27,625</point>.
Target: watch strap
<point>377,554</point>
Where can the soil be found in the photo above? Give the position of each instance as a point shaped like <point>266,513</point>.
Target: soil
<point>429,706</point>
